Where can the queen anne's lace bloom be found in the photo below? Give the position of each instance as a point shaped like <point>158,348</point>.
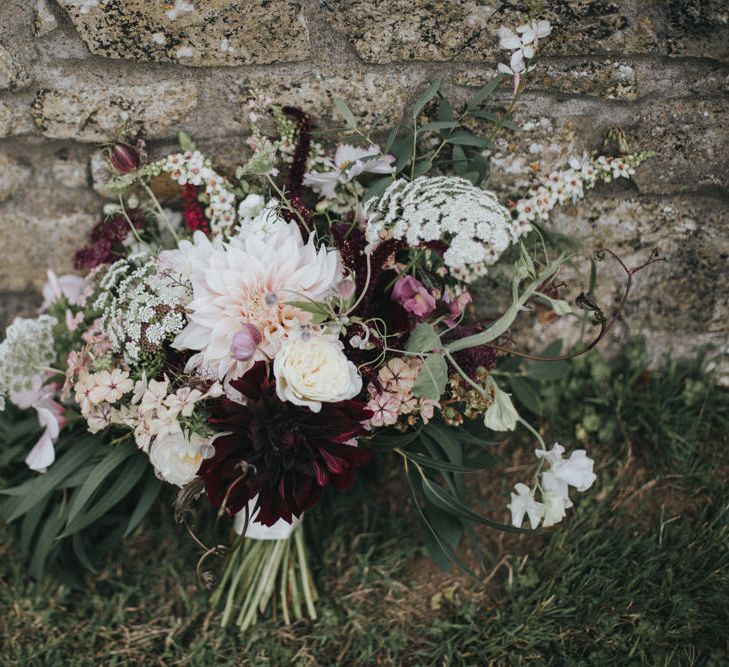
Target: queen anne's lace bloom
<point>475,225</point>
<point>25,355</point>
<point>142,307</point>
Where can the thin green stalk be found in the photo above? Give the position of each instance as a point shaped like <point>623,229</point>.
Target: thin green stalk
<point>305,577</point>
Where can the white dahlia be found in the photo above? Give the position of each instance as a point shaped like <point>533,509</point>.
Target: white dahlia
<point>248,281</point>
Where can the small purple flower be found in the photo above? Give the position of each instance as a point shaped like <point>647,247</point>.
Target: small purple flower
<point>245,342</point>
<point>413,297</point>
<point>457,306</point>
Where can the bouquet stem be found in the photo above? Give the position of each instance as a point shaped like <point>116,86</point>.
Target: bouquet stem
<point>266,577</point>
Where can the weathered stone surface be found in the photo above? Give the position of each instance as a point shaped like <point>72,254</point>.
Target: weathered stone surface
<point>43,18</point>
<point>17,304</point>
<point>12,73</point>
<point>690,139</point>
<point>688,231</point>
<point>98,112</point>
<point>12,175</point>
<point>698,28</point>
<point>31,241</point>
<point>193,32</point>
<point>15,118</point>
<point>384,31</point>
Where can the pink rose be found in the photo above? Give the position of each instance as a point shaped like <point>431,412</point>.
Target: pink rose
<point>413,297</point>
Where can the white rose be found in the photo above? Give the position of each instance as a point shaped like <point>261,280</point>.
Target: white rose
<point>311,370</point>
<point>176,457</point>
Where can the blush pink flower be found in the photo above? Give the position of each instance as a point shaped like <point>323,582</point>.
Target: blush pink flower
<point>411,294</point>
<point>457,306</point>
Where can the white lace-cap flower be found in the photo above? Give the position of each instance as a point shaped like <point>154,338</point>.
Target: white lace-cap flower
<point>349,162</point>
<point>523,502</point>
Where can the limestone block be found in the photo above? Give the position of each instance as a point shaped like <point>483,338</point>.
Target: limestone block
<point>97,112</point>
<point>385,31</point>
<point>193,32</point>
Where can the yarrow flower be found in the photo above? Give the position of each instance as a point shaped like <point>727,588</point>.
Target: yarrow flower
<point>554,483</point>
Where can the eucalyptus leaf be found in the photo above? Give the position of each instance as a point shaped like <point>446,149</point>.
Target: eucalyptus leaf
<point>424,338</point>
<point>431,380</point>
<point>428,95</point>
<point>526,394</point>
<point>185,141</point>
<point>439,125</point>
<point>484,92</point>
<point>422,167</point>
<point>467,139</point>
<point>344,111</point>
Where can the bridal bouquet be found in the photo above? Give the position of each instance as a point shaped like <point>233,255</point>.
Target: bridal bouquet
<point>255,338</point>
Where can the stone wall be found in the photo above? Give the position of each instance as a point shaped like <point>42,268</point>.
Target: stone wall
<point>74,72</point>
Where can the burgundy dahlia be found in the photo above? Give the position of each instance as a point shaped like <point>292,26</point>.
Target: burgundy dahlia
<point>284,453</point>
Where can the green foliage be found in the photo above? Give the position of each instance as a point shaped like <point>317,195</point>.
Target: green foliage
<point>75,514</point>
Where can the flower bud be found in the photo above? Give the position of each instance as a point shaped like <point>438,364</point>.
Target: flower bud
<point>501,415</point>
<point>124,157</point>
<point>345,288</point>
<point>245,342</point>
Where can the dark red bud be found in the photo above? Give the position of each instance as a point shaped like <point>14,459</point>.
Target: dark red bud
<point>124,158</point>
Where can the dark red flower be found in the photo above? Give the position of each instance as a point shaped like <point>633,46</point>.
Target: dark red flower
<point>124,157</point>
<point>192,212</point>
<point>284,453</point>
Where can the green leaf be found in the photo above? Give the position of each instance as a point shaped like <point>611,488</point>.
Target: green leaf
<point>460,163</point>
<point>439,125</point>
<point>525,393</point>
<point>428,95</point>
<point>482,93</point>
<point>467,139</point>
<point>445,110</point>
<point>152,487</point>
<point>344,111</point>
<point>473,176</point>
<point>442,543</point>
<point>432,378</point>
<point>318,310</point>
<point>485,115</point>
<point>510,126</point>
<point>384,440</point>
<point>392,135</point>
<point>450,529</point>
<point>422,167</point>
<point>424,338</point>
<point>377,188</point>
<point>78,542</point>
<point>46,541</point>
<point>185,141</point>
<point>42,485</point>
<point>548,370</point>
<point>127,479</point>
<point>29,524</point>
<point>96,477</point>
<point>442,499</point>
<point>429,462</point>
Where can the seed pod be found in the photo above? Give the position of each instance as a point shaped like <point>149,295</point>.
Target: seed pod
<point>124,158</point>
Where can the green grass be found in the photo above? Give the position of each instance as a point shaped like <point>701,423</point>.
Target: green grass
<point>637,575</point>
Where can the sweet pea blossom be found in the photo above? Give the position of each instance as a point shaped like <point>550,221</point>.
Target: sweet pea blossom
<point>411,294</point>
<point>349,162</point>
<point>523,502</point>
<point>523,45</point>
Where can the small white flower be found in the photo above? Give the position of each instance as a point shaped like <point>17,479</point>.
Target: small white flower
<point>577,471</point>
<point>110,386</point>
<point>311,370</point>
<point>523,502</point>
<point>349,162</point>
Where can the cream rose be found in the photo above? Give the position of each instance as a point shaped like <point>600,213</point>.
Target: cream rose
<point>312,369</point>
<point>176,457</point>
